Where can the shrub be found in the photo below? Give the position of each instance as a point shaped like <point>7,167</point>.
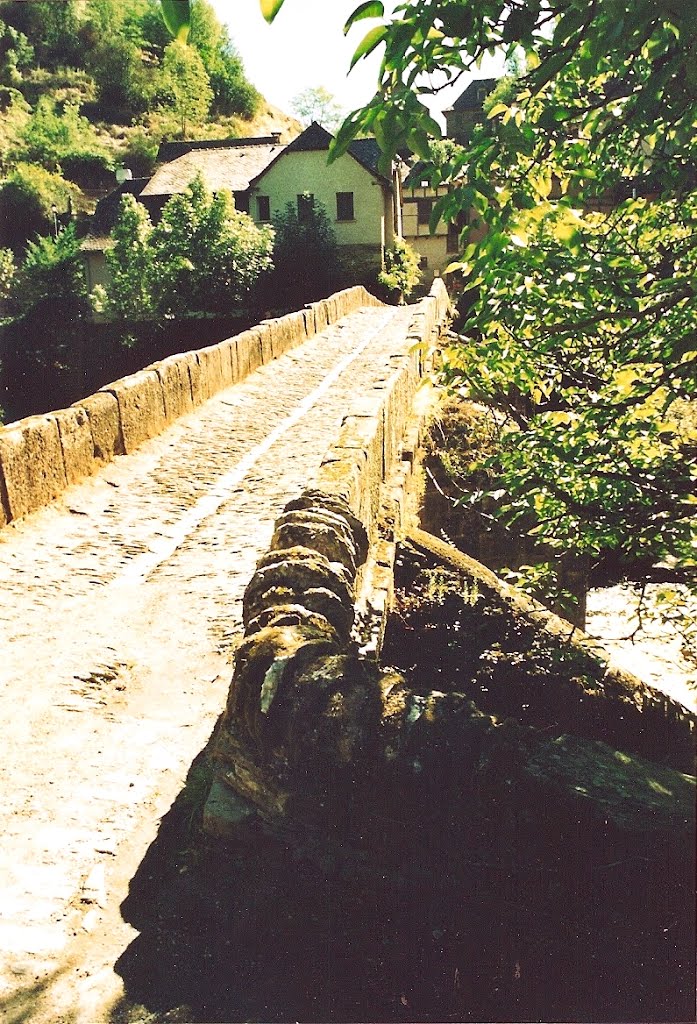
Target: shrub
<point>401,273</point>
<point>141,152</point>
<point>27,200</point>
<point>203,257</point>
<point>52,135</point>
<point>305,252</point>
<point>50,283</point>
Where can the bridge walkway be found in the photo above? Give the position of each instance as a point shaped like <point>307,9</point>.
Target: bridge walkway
<point>120,611</point>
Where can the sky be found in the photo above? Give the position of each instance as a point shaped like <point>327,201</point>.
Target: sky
<point>305,48</point>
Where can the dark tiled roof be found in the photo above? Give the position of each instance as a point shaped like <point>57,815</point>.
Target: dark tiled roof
<point>315,138</point>
<point>171,150</point>
<point>230,166</point>
<point>472,98</point>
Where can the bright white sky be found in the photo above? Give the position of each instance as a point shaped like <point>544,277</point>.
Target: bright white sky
<point>305,48</point>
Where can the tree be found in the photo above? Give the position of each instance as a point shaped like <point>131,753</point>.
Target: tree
<point>401,272</point>
<point>8,270</point>
<point>58,136</point>
<point>29,195</point>
<point>583,328</point>
<point>130,265</point>
<point>49,285</point>
<point>305,252</point>
<point>207,255</point>
<point>202,258</point>
<point>318,105</point>
<point>185,85</point>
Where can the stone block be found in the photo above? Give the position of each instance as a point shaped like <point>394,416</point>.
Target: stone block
<point>32,464</point>
<point>210,361</point>
<point>76,442</point>
<point>321,316</point>
<point>229,816</point>
<point>4,502</point>
<point>264,334</point>
<point>248,346</point>
<point>176,386</point>
<point>198,392</point>
<point>296,329</point>
<point>105,423</point>
<point>308,315</point>
<point>342,475</point>
<point>141,407</point>
<point>228,352</point>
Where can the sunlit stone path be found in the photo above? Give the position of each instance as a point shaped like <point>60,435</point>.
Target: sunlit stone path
<point>120,609</point>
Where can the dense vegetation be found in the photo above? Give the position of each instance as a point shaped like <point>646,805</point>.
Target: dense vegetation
<point>86,85</point>
<point>203,256</point>
<point>579,332</point>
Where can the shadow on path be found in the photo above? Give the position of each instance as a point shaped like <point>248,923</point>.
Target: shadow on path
<point>231,935</point>
<point>495,926</point>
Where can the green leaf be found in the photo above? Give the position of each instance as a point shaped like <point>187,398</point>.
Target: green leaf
<point>371,9</point>
<point>177,18</point>
<point>270,8</point>
<point>369,42</point>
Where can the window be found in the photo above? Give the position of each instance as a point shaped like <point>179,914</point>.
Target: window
<point>263,208</point>
<point>306,206</point>
<point>242,201</point>
<point>344,206</point>
<point>424,207</point>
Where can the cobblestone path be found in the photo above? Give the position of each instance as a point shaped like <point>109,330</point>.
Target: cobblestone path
<point>120,610</point>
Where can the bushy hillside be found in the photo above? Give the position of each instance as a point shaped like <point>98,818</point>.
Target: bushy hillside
<point>88,85</point>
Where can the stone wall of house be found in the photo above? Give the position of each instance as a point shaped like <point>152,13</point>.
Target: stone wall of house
<point>41,456</point>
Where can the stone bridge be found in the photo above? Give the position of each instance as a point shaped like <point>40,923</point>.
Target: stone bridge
<point>131,525</point>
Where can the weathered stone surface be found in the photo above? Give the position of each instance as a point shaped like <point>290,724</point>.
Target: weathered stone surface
<point>289,615</point>
<point>226,815</point>
<point>265,337</point>
<point>228,350</point>
<point>317,532</point>
<point>198,385</point>
<point>330,506</point>
<point>76,442</point>
<point>105,422</point>
<point>265,667</point>
<point>248,347</point>
<point>141,407</point>
<point>32,464</point>
<point>212,378</point>
<point>291,573</point>
<point>176,386</point>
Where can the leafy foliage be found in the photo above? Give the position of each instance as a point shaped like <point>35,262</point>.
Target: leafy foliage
<point>318,105</point>
<point>53,137</point>
<point>185,85</point>
<point>207,255</point>
<point>584,177</point>
<point>16,54</point>
<point>401,272</point>
<point>27,198</point>
<point>49,284</point>
<point>130,264</point>
<point>7,273</point>
<point>305,252</point>
<point>203,257</point>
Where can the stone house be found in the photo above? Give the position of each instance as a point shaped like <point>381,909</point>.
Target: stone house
<point>263,174</point>
<point>362,203</point>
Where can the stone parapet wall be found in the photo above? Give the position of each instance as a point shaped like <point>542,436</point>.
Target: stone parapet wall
<point>41,456</point>
<point>329,563</point>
